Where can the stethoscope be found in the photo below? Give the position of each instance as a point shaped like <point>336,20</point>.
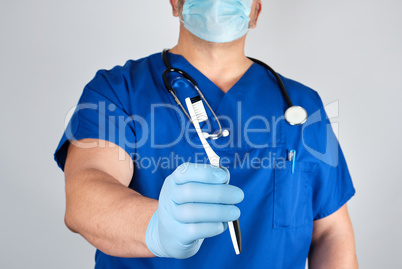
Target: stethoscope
<point>294,115</point>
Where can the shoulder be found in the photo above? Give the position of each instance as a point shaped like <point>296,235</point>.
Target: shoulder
<point>118,84</point>
<point>122,75</point>
<point>301,94</point>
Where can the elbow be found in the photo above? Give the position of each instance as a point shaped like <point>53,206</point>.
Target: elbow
<point>71,215</point>
<point>69,221</point>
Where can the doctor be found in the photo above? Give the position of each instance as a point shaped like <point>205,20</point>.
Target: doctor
<point>138,189</point>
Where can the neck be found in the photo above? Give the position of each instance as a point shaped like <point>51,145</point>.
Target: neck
<point>223,63</point>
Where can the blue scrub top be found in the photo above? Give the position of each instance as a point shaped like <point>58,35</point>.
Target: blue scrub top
<point>130,107</point>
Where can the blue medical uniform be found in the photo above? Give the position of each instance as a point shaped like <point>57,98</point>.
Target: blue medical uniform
<point>130,107</point>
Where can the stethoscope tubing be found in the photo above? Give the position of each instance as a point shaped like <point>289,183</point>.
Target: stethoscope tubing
<point>278,78</point>
<point>169,69</point>
<point>294,115</point>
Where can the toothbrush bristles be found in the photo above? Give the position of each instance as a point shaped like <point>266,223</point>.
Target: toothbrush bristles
<point>199,108</point>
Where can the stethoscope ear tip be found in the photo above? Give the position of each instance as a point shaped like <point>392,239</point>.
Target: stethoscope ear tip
<point>296,115</point>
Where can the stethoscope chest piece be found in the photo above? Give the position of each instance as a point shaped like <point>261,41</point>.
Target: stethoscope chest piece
<point>296,115</point>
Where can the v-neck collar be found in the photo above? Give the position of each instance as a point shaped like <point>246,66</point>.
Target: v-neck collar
<point>212,93</point>
<point>254,95</point>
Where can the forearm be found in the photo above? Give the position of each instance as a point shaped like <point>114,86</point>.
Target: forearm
<point>112,217</point>
<point>333,252</point>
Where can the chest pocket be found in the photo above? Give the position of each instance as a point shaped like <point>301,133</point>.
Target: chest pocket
<point>292,199</point>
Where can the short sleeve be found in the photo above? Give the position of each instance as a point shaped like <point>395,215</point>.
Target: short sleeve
<point>333,186</point>
<point>101,113</point>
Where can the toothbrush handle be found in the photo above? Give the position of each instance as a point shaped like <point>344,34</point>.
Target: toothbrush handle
<point>214,159</point>
<point>235,234</point>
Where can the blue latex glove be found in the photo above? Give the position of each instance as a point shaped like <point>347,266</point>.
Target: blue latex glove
<point>194,204</point>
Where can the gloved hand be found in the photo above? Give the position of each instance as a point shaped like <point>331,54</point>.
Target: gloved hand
<point>194,204</point>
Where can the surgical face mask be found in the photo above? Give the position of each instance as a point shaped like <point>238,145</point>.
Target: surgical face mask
<point>217,21</point>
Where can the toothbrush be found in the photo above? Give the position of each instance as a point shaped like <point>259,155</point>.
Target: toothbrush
<point>196,110</point>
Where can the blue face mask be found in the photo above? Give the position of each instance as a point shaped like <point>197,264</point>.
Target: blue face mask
<point>217,21</point>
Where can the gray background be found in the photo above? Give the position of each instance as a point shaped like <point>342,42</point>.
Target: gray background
<point>347,50</point>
